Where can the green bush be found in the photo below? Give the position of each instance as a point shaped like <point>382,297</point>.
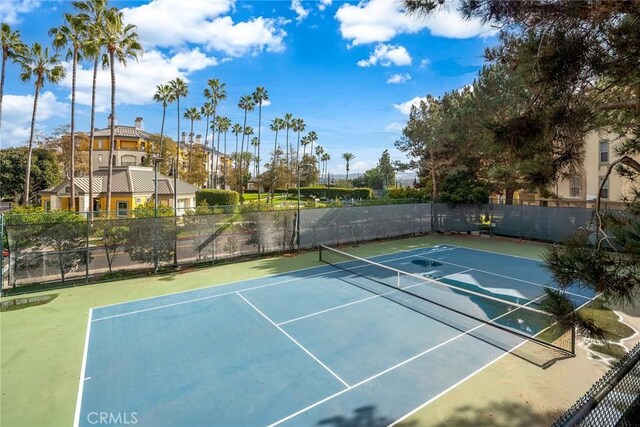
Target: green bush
<point>362,193</point>
<point>332,193</point>
<point>418,194</point>
<point>211,197</point>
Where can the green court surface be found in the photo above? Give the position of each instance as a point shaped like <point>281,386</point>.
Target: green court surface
<point>42,346</point>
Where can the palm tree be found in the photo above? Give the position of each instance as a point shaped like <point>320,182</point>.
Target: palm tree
<point>248,131</point>
<point>93,47</point>
<point>206,111</point>
<point>39,64</point>
<point>215,92</point>
<point>255,143</point>
<point>277,124</point>
<point>222,124</point>
<point>191,114</point>
<point>164,95</point>
<point>12,48</point>
<point>348,157</point>
<point>180,89</point>
<point>304,141</point>
<point>287,125</point>
<point>297,125</point>
<point>259,96</point>
<point>325,158</point>
<point>319,153</point>
<point>73,35</point>
<point>246,103</point>
<point>237,130</point>
<point>122,43</point>
<point>313,137</point>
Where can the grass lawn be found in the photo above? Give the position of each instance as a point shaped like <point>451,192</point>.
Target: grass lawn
<point>41,345</point>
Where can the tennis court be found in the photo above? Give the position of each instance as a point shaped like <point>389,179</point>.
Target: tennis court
<point>315,346</point>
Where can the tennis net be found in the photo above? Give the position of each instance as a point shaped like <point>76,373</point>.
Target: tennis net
<point>521,320</point>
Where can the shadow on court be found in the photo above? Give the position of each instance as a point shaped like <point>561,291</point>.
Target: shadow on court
<point>362,417</point>
<point>496,414</point>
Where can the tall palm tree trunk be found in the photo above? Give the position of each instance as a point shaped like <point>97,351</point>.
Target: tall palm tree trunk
<point>176,172</point>
<point>91,135</point>
<point>206,143</point>
<point>258,156</point>
<point>273,168</point>
<point>112,136</point>
<point>4,63</point>
<point>225,161</point>
<point>155,162</point>
<point>214,171</point>
<point>27,178</point>
<point>217,159</point>
<point>244,126</point>
<point>72,205</point>
<point>190,145</point>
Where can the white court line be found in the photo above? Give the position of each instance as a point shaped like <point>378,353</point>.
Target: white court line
<point>362,300</point>
<point>501,275</point>
<point>250,279</point>
<point>83,378</point>
<point>313,405</point>
<point>209,297</point>
<point>333,271</point>
<point>407,415</point>
<point>294,340</point>
<point>493,252</point>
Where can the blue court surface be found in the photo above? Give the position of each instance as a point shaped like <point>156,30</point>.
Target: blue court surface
<point>319,346</point>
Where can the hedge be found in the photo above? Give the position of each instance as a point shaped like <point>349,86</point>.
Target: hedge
<point>420,194</point>
<point>332,193</point>
<point>212,197</point>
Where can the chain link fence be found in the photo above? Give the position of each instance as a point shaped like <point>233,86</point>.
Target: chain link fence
<point>45,251</point>
<point>613,401</point>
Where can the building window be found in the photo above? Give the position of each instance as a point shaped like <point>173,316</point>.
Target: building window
<point>605,188</point>
<point>99,158</point>
<point>138,201</point>
<point>143,146</point>
<point>574,186</point>
<point>47,205</point>
<point>128,160</point>
<point>100,144</point>
<point>122,208</point>
<point>67,190</point>
<point>604,151</point>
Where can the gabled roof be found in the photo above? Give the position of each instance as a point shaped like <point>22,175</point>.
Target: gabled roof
<point>126,179</point>
<point>126,131</point>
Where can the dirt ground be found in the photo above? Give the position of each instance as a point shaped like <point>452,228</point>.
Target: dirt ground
<point>514,392</point>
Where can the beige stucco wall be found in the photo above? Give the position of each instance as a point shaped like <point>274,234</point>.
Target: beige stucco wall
<point>593,169</point>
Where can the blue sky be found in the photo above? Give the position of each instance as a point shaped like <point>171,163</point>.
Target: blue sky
<point>350,69</point>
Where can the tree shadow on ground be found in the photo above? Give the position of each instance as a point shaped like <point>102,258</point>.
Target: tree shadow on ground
<point>495,414</point>
<point>362,417</point>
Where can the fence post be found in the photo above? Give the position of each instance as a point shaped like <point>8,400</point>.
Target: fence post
<point>2,255</point>
<point>87,254</point>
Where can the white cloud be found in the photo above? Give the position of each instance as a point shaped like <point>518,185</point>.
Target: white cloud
<point>133,85</point>
<point>394,127</point>
<point>387,55</point>
<point>296,6</point>
<point>323,4</point>
<point>16,115</point>
<point>405,107</point>
<point>425,63</point>
<point>266,103</point>
<point>177,23</point>
<point>192,61</point>
<point>10,9</point>
<point>381,20</point>
<point>399,78</point>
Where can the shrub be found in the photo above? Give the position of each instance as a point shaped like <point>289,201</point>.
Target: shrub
<point>419,194</point>
<point>212,197</point>
<point>332,193</point>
